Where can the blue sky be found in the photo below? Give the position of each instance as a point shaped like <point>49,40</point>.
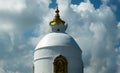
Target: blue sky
<point>94,24</point>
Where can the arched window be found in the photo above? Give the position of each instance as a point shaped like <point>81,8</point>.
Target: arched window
<point>60,64</point>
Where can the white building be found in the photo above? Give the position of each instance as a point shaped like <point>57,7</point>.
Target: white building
<point>57,52</point>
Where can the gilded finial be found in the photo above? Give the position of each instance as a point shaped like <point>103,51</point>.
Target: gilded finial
<point>57,10</point>
<point>56,19</point>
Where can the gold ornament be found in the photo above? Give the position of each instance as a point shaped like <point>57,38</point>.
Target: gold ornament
<point>56,19</point>
<point>60,65</point>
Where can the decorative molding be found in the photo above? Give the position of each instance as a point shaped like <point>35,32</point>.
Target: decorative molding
<point>42,58</point>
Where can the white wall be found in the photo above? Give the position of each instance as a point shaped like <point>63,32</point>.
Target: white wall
<point>44,58</point>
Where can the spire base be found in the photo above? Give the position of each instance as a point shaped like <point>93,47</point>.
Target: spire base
<point>57,24</point>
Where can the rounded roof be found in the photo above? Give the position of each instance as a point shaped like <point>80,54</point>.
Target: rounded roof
<point>57,39</point>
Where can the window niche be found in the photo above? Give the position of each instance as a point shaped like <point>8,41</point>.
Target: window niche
<point>60,64</point>
<point>58,30</point>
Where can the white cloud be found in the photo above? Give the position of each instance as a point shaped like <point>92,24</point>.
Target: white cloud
<point>2,64</point>
<point>83,7</point>
<point>105,1</point>
<point>7,26</point>
<point>118,26</point>
<point>12,5</point>
<point>16,18</point>
<point>118,62</point>
<point>114,7</point>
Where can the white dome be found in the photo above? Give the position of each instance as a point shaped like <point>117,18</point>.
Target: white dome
<point>53,45</point>
<point>57,39</point>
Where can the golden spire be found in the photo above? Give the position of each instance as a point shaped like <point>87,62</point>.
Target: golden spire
<point>56,19</point>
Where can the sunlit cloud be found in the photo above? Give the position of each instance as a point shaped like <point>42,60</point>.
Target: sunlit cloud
<point>12,5</point>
